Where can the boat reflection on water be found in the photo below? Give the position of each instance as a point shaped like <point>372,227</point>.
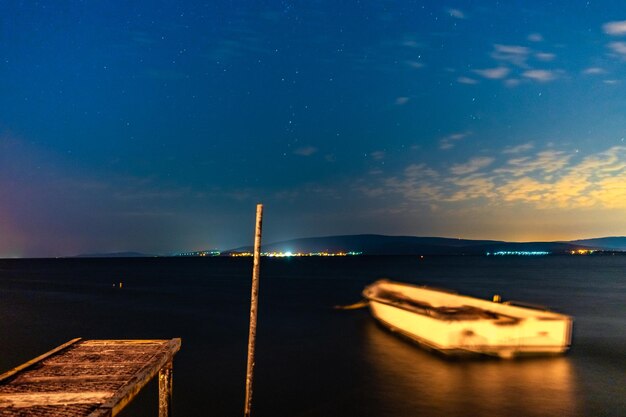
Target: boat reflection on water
<point>410,381</point>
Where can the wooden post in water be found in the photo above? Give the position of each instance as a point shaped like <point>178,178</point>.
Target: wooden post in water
<point>253,309</point>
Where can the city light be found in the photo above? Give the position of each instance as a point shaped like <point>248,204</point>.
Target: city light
<point>296,254</point>
<point>518,253</point>
<point>582,252</point>
<point>200,253</point>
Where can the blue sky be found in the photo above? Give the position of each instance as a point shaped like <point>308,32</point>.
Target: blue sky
<point>157,126</point>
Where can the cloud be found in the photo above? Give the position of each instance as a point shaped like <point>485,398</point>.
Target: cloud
<point>305,151</point>
<point>548,179</point>
<point>540,75</point>
<point>448,142</point>
<point>378,155</point>
<point>412,43</point>
<point>514,54</point>
<point>618,47</point>
<point>518,149</point>
<point>419,171</point>
<point>473,165</point>
<point>524,189</point>
<point>466,80</point>
<point>511,49</point>
<point>402,100</point>
<point>544,162</point>
<point>418,182</point>
<point>598,180</point>
<point>545,56</point>
<point>471,187</point>
<point>512,65</point>
<point>493,73</point>
<point>616,28</point>
<point>458,136</point>
<point>604,164</point>
<point>456,13</point>
<point>594,71</point>
<point>415,64</point>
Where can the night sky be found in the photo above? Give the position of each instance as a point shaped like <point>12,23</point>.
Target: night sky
<point>156,126</point>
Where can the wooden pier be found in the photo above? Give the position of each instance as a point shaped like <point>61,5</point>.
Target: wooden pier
<point>93,378</point>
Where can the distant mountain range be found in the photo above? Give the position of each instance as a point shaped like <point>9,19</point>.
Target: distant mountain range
<point>409,245</point>
<point>115,255</point>
<point>412,245</point>
<point>607,243</point>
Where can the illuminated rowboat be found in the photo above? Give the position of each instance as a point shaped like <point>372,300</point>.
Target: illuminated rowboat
<point>456,324</point>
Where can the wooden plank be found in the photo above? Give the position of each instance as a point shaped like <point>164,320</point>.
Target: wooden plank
<point>31,399</point>
<point>40,358</point>
<point>93,364</point>
<point>124,395</point>
<point>71,379</point>
<point>105,374</point>
<point>113,342</point>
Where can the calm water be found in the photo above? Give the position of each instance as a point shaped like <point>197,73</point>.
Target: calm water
<point>312,360</point>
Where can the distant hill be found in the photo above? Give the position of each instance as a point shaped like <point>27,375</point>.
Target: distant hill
<point>606,243</point>
<point>371,244</point>
<point>115,255</point>
<point>413,245</point>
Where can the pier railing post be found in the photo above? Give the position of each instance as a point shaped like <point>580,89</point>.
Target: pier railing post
<point>165,390</point>
<point>253,309</point>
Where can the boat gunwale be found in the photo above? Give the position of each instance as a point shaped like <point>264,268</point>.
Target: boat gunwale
<point>434,317</point>
<point>555,315</point>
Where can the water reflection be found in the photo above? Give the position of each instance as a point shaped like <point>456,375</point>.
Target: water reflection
<point>407,381</point>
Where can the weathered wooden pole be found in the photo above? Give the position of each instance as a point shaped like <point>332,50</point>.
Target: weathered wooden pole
<point>253,309</point>
<point>165,390</point>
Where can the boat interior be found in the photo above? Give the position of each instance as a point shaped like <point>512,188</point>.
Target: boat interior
<point>448,313</point>
<point>450,306</point>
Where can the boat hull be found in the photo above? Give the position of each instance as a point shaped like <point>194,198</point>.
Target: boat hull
<point>507,332</point>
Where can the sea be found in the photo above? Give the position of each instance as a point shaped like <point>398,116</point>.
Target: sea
<point>316,361</point>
